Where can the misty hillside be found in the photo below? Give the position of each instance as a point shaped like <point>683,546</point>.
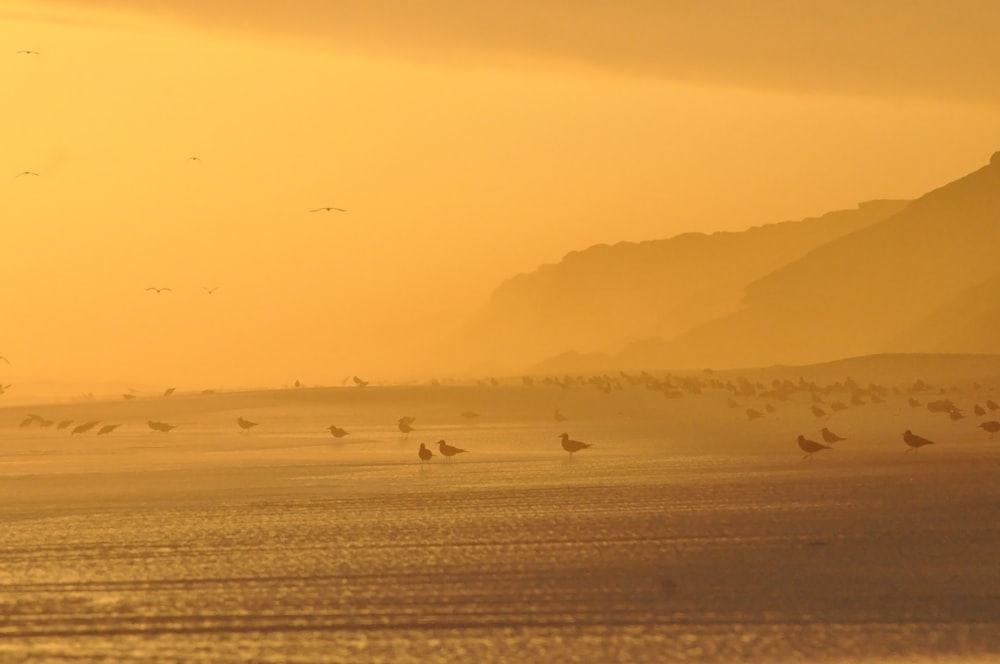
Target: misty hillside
<point>921,280</point>
<point>971,321</point>
<point>604,297</point>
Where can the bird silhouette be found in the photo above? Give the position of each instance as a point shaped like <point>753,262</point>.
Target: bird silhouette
<point>30,419</point>
<point>336,431</point>
<point>4,388</point>
<point>4,359</point>
<point>991,427</point>
<point>84,428</point>
<point>754,414</point>
<point>26,173</point>
<point>160,426</point>
<point>106,429</point>
<point>405,424</point>
<point>170,390</point>
<point>159,290</point>
<point>424,453</point>
<point>63,424</point>
<point>246,425</point>
<point>329,209</point>
<point>210,290</point>
<point>28,52</point>
<point>359,382</point>
<point>992,405</point>
<point>810,447</point>
<point>914,441</point>
<point>447,450</point>
<point>571,445</point>
<point>818,412</point>
<point>978,410</point>
<point>830,437</point>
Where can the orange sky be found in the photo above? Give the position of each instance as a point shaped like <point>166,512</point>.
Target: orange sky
<point>467,144</point>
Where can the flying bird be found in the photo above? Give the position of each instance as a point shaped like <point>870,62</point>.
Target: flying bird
<point>107,428</point>
<point>246,425</point>
<point>167,392</point>
<point>571,445</point>
<point>4,359</point>
<point>28,52</point>
<point>810,447</point>
<point>328,209</point>
<point>914,441</point>
<point>158,290</point>
<point>26,173</point>
<point>830,437</point>
<point>336,431</point>
<point>447,450</point>
<point>424,453</point>
<point>194,158</point>
<point>209,290</point>
<point>160,426</point>
<point>359,382</point>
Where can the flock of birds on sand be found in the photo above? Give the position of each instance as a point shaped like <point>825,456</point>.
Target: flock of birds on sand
<point>824,401</point>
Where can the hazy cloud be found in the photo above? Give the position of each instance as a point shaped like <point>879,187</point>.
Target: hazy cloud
<point>922,48</point>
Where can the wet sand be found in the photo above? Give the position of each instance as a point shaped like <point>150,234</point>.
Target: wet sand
<point>684,534</point>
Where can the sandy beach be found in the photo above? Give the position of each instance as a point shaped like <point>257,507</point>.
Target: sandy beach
<point>686,533</point>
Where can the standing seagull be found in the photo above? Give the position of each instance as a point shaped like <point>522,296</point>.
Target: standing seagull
<point>329,209</point>
<point>83,428</point>
<point>245,425</point>
<point>914,441</point>
<point>830,437</point>
<point>160,426</point>
<point>405,424</point>
<point>810,447</point>
<point>992,427</point>
<point>571,445</point>
<point>336,431</point>
<point>448,450</point>
<point>424,453</point>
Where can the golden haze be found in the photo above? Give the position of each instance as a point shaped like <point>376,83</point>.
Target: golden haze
<point>463,157</point>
